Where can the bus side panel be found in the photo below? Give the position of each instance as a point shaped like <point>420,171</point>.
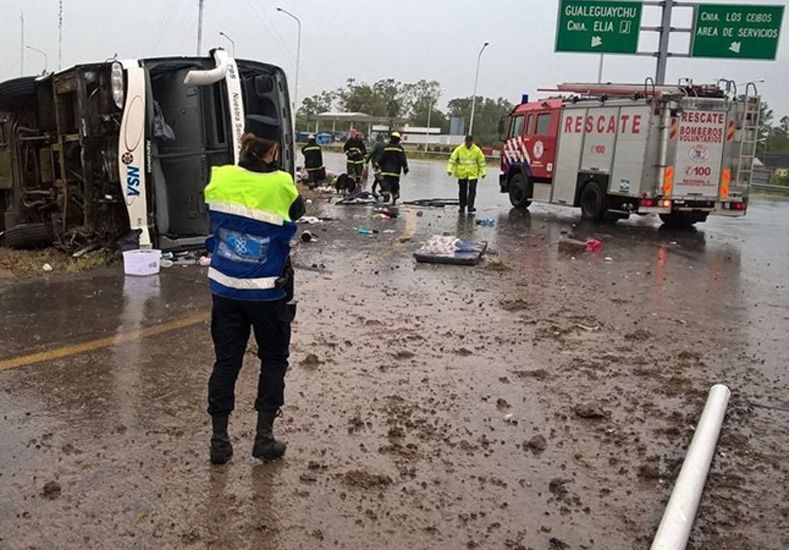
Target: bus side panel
<point>571,141</point>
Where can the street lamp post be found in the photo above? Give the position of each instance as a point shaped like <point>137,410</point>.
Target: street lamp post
<point>476,81</point>
<point>232,43</point>
<point>46,59</point>
<point>429,113</point>
<point>298,57</point>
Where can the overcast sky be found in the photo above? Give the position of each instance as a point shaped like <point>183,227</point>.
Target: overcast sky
<point>367,39</point>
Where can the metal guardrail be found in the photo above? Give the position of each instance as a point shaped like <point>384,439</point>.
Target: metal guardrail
<point>773,188</point>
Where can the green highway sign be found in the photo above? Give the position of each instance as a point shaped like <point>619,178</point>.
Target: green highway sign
<point>737,31</point>
<point>598,26</point>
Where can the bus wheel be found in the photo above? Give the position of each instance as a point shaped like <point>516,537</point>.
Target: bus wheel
<point>592,202</point>
<point>519,191</point>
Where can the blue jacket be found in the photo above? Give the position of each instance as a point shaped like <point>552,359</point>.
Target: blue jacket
<point>251,232</point>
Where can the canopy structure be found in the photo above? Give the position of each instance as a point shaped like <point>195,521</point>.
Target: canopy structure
<point>351,120</point>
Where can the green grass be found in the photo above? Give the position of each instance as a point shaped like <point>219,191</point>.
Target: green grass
<point>31,262</point>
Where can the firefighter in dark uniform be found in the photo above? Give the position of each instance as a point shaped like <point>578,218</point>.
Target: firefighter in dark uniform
<point>252,208</point>
<point>392,162</point>
<point>313,162</point>
<point>374,157</point>
<point>355,153</point>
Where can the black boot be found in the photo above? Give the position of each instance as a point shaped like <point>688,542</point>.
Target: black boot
<point>266,447</point>
<point>221,449</point>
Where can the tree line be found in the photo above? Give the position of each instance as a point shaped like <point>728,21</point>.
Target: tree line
<point>773,138</point>
<point>412,102</point>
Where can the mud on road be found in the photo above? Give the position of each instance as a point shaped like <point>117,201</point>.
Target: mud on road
<point>541,400</point>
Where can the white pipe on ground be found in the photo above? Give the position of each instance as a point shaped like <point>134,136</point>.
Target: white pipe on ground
<point>211,76</point>
<point>674,530</point>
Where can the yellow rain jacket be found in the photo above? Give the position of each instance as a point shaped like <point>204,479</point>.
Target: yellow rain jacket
<point>467,163</point>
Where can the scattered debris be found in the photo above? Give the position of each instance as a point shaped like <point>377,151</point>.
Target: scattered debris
<point>571,246</point>
<point>308,236</point>
<point>46,267</point>
<point>536,444</point>
<point>556,486</point>
<point>51,490</point>
<point>311,361</point>
<point>593,245</point>
<point>590,410</point>
<point>366,480</point>
<point>502,404</point>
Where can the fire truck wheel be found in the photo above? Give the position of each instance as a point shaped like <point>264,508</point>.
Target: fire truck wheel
<point>682,221</point>
<point>592,202</point>
<point>520,191</point>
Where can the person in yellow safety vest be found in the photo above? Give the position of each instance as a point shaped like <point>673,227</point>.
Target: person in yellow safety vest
<point>253,208</point>
<point>467,164</point>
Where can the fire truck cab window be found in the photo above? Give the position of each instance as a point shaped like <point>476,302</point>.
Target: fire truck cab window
<point>517,127</point>
<point>528,124</point>
<point>543,124</point>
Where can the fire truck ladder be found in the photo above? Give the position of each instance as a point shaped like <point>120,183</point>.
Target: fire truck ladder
<point>749,126</point>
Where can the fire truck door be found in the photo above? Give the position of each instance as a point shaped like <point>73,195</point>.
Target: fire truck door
<point>542,149</point>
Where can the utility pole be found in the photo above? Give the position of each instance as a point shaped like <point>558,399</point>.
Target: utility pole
<point>476,81</point>
<point>429,113</point>
<point>22,45</point>
<point>600,69</point>
<point>60,33</point>
<point>295,101</point>
<point>199,26</point>
<point>665,35</point>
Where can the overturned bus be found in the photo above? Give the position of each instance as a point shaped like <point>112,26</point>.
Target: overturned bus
<point>122,150</point>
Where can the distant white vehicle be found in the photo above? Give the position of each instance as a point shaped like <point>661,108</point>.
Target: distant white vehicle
<point>117,149</point>
<point>682,152</point>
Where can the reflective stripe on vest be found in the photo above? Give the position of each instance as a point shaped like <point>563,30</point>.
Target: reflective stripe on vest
<point>311,148</point>
<point>261,283</point>
<point>269,193</point>
<point>246,212</point>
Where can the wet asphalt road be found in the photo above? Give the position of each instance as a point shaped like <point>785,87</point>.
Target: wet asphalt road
<point>398,427</point>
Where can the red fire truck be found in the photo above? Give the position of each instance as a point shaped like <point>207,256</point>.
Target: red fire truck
<point>682,152</point>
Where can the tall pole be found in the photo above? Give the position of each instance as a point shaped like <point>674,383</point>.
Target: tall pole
<point>232,42</point>
<point>60,34</point>
<point>665,34</point>
<point>42,52</point>
<point>199,26</point>
<point>298,58</point>
<point>22,45</point>
<point>476,81</point>
<point>429,113</point>
<point>600,69</point>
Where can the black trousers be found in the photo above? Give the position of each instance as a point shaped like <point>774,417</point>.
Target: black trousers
<point>467,193</point>
<point>391,185</point>
<point>231,324</point>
